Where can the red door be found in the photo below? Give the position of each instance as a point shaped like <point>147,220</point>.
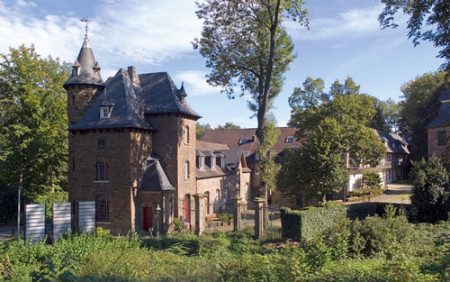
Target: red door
<point>187,203</point>
<point>147,218</point>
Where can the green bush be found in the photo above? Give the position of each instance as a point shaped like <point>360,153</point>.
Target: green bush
<point>371,180</point>
<point>299,225</point>
<point>431,189</point>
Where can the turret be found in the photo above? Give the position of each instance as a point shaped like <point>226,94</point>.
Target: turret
<point>85,83</point>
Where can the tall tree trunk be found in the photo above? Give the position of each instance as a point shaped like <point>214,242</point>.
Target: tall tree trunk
<point>263,105</point>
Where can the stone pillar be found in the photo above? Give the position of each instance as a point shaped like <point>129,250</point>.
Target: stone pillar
<point>200,214</point>
<point>259,218</point>
<point>237,213</point>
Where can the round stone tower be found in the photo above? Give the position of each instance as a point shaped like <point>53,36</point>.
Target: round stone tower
<point>84,85</point>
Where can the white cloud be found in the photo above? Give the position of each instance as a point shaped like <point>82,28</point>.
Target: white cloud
<point>355,23</point>
<point>195,83</point>
<point>119,31</point>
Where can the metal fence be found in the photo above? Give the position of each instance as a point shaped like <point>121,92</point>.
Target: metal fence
<point>248,218</point>
<point>272,228</point>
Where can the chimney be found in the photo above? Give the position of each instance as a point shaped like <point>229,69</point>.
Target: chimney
<point>132,74</point>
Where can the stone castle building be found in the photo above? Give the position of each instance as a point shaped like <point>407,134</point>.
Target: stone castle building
<point>132,150</point>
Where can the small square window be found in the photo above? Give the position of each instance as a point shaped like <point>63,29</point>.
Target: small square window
<point>105,112</point>
<point>290,139</point>
<point>442,138</point>
<point>101,143</point>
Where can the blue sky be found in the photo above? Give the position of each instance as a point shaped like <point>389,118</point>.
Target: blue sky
<point>344,40</point>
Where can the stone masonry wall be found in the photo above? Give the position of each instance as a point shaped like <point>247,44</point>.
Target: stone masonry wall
<point>169,145</point>
<point>433,147</point>
<point>79,99</point>
<point>84,152</point>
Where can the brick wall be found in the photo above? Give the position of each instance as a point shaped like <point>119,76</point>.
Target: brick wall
<point>79,99</point>
<point>433,147</point>
<point>124,152</point>
<point>169,145</point>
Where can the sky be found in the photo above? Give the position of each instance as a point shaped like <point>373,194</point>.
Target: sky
<point>344,40</point>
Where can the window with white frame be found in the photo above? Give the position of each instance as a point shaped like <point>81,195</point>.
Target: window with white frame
<point>290,139</point>
<point>105,112</point>
<point>186,135</point>
<point>186,170</point>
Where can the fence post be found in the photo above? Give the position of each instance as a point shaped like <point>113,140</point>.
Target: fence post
<point>200,217</point>
<point>259,218</point>
<point>237,213</point>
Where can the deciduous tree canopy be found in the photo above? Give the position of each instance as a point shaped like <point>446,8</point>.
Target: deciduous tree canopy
<point>419,107</point>
<point>332,130</point>
<point>434,14</point>
<point>246,46</point>
<point>33,122</point>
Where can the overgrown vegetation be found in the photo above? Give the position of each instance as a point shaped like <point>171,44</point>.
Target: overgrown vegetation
<point>384,248</point>
<point>431,189</point>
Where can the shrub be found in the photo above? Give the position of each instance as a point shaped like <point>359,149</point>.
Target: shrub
<point>371,180</point>
<point>431,189</point>
<point>299,225</point>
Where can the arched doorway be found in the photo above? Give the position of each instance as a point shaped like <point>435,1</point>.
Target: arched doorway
<point>147,218</point>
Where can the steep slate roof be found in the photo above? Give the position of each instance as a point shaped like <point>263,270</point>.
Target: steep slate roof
<point>127,107</point>
<point>152,93</point>
<point>443,117</point>
<point>394,143</point>
<point>155,178</point>
<point>86,64</point>
<point>157,99</point>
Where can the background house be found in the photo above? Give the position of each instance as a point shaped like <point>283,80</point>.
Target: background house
<point>438,130</point>
<point>394,166</point>
<point>245,140</point>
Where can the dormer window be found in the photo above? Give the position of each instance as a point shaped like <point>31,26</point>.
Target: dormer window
<point>105,111</point>
<point>242,141</point>
<point>290,139</point>
<point>222,162</point>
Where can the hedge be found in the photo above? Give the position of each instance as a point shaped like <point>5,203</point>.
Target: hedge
<point>306,224</point>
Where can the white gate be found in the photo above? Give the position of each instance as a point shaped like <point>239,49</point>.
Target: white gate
<point>86,216</point>
<point>62,219</point>
<point>35,222</point>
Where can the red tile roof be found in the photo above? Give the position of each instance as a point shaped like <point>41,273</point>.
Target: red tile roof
<point>232,138</point>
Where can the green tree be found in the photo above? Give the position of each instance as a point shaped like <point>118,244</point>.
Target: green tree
<point>431,189</point>
<point>419,107</point>
<point>386,117</point>
<point>434,14</point>
<point>245,43</point>
<point>310,96</point>
<point>33,117</point>
<point>332,130</point>
<point>200,130</point>
<point>228,125</point>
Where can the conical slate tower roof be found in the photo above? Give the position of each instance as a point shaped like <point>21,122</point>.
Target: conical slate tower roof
<point>85,69</point>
